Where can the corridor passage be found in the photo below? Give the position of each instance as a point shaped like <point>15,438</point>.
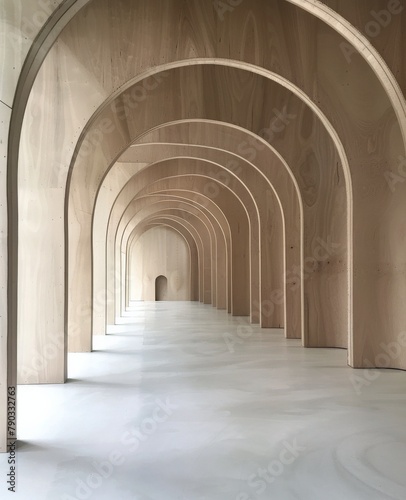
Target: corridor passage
<point>184,402</point>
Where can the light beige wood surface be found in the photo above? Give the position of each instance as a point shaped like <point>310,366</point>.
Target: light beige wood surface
<point>7,374</point>
<point>266,255</point>
<point>109,189</point>
<point>211,193</point>
<point>185,232</point>
<point>160,251</point>
<point>177,219</point>
<point>336,330</point>
<point>237,218</point>
<point>169,207</point>
<point>342,146</point>
<point>217,225</point>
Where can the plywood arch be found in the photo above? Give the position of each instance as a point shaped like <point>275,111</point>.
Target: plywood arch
<point>318,337</point>
<point>161,202</point>
<point>100,290</point>
<point>143,268</point>
<point>221,269</point>
<point>34,60</point>
<point>338,327</point>
<point>255,151</point>
<point>209,210</point>
<point>161,207</point>
<point>277,219</point>
<point>291,263</point>
<point>184,171</point>
<point>85,211</point>
<point>365,48</point>
<point>131,189</point>
<point>222,202</point>
<point>235,171</point>
<point>186,232</point>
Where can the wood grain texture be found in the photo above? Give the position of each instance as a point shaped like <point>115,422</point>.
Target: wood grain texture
<point>160,251</point>
<point>188,212</point>
<point>162,206</point>
<point>7,343</point>
<point>255,152</point>
<point>109,189</point>
<point>220,236</point>
<point>130,188</point>
<point>174,222</point>
<point>379,268</point>
<point>182,221</point>
<point>183,212</point>
<point>185,230</point>
<point>337,330</point>
<point>383,24</point>
<point>267,265</point>
<point>20,23</point>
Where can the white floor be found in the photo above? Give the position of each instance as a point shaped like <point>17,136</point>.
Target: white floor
<point>189,403</point>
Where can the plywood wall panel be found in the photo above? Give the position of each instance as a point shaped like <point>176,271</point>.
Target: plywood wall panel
<point>162,206</point>
<point>184,213</point>
<point>259,153</point>
<point>269,261</point>
<point>305,58</point>
<point>336,108</point>
<point>226,200</point>
<point>336,333</point>
<point>383,24</point>
<point>308,53</point>
<point>111,186</point>
<point>160,251</point>
<point>220,280</point>
<point>8,343</point>
<point>230,181</point>
<point>184,232</point>
<point>20,23</point>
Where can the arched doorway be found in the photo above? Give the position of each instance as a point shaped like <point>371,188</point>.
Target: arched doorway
<point>161,288</point>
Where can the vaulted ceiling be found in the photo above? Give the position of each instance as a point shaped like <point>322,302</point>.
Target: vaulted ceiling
<point>268,135</point>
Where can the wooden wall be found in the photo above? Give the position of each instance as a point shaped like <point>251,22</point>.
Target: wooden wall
<point>159,251</point>
<point>271,137</point>
<point>20,23</point>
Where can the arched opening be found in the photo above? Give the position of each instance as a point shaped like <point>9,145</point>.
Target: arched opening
<point>327,126</point>
<point>161,288</point>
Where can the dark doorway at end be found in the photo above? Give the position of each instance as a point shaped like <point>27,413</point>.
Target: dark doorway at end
<point>161,288</point>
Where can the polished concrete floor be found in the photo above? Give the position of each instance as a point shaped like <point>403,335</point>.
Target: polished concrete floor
<point>185,402</point>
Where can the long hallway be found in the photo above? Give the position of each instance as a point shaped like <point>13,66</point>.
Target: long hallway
<point>184,402</point>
